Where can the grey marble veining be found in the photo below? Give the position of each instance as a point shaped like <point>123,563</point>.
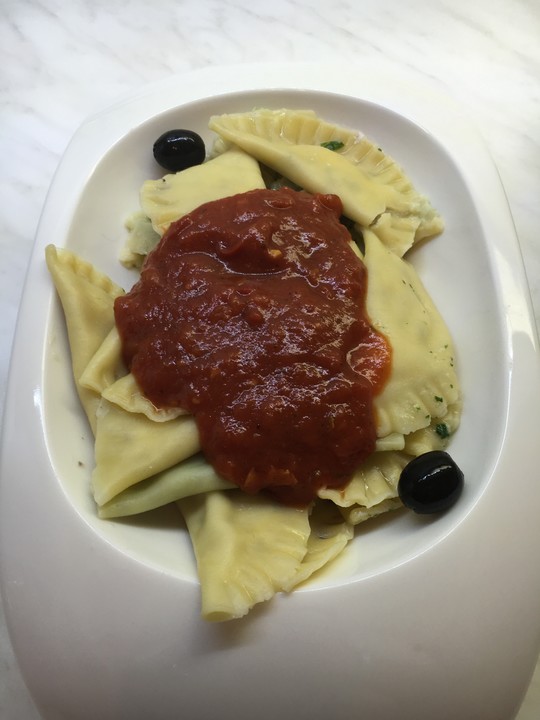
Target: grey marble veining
<point>62,61</point>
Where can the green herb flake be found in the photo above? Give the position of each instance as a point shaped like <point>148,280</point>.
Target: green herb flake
<point>333,145</point>
<point>442,430</point>
<point>438,399</point>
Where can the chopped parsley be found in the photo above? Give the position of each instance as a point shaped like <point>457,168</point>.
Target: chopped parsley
<point>332,145</point>
<point>437,398</point>
<point>442,430</point>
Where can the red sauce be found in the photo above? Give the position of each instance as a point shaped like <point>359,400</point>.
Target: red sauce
<point>250,314</point>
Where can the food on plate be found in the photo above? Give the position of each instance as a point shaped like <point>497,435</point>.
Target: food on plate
<point>272,278</point>
<point>430,483</point>
<point>177,150</point>
<point>250,314</point>
<point>171,197</point>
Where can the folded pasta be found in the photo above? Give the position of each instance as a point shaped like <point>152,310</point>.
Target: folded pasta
<point>250,547</point>
<point>374,189</point>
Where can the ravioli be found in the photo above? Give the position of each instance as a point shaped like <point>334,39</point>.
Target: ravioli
<point>105,366</point>
<point>373,487</point>
<point>368,181</point>
<point>410,400</point>
<point>150,448</point>
<point>190,477</point>
<point>173,196</point>
<point>329,536</point>
<point>126,393</point>
<point>87,298</point>
<point>106,375</point>
<point>248,548</point>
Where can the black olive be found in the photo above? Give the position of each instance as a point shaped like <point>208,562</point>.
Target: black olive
<point>430,483</point>
<point>179,149</point>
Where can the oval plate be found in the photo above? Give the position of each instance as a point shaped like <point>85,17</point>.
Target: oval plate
<point>421,617</point>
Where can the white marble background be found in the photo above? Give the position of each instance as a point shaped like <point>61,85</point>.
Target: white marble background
<point>61,61</point>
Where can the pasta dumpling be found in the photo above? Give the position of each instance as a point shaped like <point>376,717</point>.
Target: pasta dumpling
<point>106,375</point>
<point>373,486</point>
<point>105,366</point>
<point>190,477</point>
<point>150,448</point>
<point>419,339</point>
<point>173,196</point>
<point>328,537</point>
<point>87,298</point>
<point>126,393</point>
<point>369,182</point>
<point>247,548</point>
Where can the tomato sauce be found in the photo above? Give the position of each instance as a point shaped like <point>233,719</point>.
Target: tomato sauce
<point>250,314</point>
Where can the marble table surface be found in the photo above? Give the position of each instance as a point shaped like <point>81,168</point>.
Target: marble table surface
<point>62,61</point>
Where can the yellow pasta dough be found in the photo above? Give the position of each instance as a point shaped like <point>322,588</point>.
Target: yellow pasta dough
<point>369,182</point>
<point>173,196</point>
<point>106,375</point>
<point>329,536</point>
<point>150,447</point>
<point>247,549</point>
<point>190,477</point>
<point>105,366</point>
<point>419,338</point>
<point>87,298</point>
<point>126,393</point>
<point>373,484</point>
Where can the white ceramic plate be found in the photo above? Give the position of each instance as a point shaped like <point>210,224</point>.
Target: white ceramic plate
<point>420,617</point>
